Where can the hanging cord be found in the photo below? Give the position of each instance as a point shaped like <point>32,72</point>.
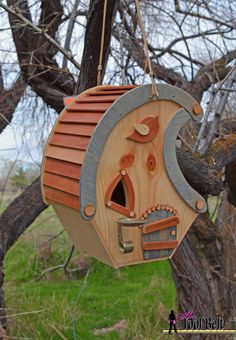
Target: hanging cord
<point>145,70</point>
<point>99,76</point>
<point>154,86</point>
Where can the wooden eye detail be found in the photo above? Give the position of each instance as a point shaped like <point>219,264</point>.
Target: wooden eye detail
<point>142,129</point>
<point>151,163</point>
<point>127,160</point>
<point>145,131</point>
<point>120,195</point>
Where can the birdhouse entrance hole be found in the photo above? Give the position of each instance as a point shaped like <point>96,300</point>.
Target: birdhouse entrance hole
<point>119,194</point>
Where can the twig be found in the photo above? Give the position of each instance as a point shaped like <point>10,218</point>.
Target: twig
<point>23,313</point>
<point>59,266</point>
<point>49,270</point>
<point>70,31</point>
<point>40,31</point>
<point>58,332</point>
<point>77,300</point>
<point>69,258</point>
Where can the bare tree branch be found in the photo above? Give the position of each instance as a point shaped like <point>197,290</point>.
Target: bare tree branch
<point>43,32</point>
<point>33,54</point>
<point>161,72</point>
<point>70,31</point>
<point>214,70</point>
<point>9,100</point>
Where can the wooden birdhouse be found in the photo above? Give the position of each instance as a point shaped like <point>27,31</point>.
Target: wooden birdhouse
<point>111,174</point>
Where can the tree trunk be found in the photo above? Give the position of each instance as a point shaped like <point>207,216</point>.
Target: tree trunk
<point>13,222</point>
<point>204,268</point>
<point>90,59</point>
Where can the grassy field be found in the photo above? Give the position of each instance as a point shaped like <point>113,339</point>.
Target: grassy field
<point>58,307</point>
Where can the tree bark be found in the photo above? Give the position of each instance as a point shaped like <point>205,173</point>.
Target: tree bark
<point>90,59</point>
<point>9,100</point>
<point>204,266</point>
<point>36,55</point>
<point>13,222</point>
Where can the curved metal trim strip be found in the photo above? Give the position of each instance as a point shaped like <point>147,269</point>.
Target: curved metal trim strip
<point>118,110</point>
<point>170,160</point>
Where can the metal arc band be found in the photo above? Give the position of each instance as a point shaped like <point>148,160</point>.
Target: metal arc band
<point>190,196</point>
<point>118,110</point>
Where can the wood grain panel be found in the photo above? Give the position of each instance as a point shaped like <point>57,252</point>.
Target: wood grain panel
<point>62,168</point>
<point>69,155</point>
<point>160,245</point>
<point>98,99</point>
<point>89,107</point>
<point>107,93</point>
<point>161,224</point>
<point>151,188</point>
<point>79,117</point>
<point>85,236</point>
<point>117,88</point>
<point>71,186</point>
<point>70,141</point>
<point>54,195</point>
<point>75,129</point>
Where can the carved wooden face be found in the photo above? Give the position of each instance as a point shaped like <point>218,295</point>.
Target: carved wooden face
<point>132,182</point>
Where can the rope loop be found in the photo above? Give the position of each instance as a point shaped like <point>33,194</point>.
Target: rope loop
<point>155,94</point>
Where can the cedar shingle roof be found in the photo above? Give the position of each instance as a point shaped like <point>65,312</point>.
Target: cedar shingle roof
<point>67,144</point>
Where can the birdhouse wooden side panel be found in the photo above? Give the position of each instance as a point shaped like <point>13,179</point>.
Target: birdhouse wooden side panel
<point>142,161</point>
<point>83,233</point>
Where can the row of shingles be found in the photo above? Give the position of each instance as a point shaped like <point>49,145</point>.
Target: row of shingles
<point>65,154</point>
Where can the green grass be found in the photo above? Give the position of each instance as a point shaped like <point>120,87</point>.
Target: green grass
<point>57,308</point>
